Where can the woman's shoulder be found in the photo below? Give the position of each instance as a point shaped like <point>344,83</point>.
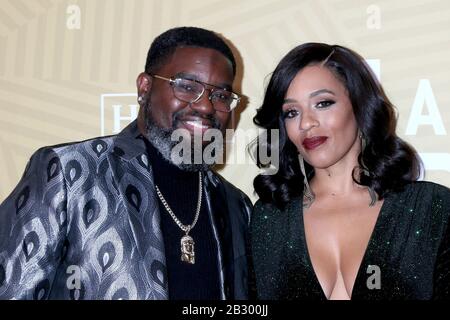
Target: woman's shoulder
<point>267,213</point>
<point>261,206</point>
<point>270,207</point>
<point>423,197</point>
<point>270,227</point>
<point>261,211</point>
<point>428,187</point>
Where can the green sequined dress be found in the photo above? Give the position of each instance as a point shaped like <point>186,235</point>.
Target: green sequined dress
<point>410,246</point>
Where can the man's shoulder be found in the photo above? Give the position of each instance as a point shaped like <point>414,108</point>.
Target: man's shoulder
<point>125,143</point>
<point>96,145</point>
<point>67,153</point>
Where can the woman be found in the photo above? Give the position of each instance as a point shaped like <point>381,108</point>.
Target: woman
<point>344,217</point>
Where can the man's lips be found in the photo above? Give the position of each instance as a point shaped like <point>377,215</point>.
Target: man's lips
<point>196,124</point>
<point>314,142</point>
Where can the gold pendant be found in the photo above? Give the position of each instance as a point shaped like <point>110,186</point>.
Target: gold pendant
<point>187,249</point>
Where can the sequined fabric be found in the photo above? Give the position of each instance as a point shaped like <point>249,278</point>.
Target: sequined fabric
<point>410,245</point>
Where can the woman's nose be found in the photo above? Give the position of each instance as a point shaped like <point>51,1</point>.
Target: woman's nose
<point>308,120</point>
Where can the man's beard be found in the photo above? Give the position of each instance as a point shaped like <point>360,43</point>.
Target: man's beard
<point>160,138</point>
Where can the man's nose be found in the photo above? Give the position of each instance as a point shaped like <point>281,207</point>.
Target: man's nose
<point>204,104</point>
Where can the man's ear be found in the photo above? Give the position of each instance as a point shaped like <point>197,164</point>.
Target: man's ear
<point>143,84</point>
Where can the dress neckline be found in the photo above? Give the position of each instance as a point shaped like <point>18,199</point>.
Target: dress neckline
<point>366,256</point>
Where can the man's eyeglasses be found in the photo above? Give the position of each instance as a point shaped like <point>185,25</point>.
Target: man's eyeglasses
<point>191,91</point>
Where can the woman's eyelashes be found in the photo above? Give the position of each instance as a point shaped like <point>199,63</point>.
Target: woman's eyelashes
<point>324,104</point>
<point>290,113</point>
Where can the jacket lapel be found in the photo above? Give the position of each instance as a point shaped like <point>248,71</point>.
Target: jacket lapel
<point>216,200</point>
<point>133,180</point>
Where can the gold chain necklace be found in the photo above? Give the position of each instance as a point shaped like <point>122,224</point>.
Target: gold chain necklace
<point>187,242</point>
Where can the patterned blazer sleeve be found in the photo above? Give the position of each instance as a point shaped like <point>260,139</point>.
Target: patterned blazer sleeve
<point>33,223</point>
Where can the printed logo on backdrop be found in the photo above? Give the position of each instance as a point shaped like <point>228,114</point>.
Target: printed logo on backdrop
<point>425,112</point>
<point>117,110</point>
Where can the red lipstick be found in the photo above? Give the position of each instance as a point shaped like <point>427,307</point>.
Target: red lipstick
<point>314,142</point>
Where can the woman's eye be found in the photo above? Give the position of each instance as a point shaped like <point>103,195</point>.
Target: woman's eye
<point>324,104</point>
<point>289,114</point>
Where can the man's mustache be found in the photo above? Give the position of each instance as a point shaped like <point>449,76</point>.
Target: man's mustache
<point>182,113</point>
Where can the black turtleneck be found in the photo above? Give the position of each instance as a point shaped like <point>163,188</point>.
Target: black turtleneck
<point>180,189</point>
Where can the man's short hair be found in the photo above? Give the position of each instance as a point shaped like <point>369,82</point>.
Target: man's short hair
<point>165,44</point>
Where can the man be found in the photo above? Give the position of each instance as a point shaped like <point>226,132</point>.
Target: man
<point>116,217</point>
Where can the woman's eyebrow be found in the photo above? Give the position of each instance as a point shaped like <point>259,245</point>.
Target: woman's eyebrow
<point>289,100</point>
<point>311,95</point>
<point>316,93</point>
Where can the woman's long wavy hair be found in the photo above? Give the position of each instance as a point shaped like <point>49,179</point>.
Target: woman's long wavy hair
<point>391,162</point>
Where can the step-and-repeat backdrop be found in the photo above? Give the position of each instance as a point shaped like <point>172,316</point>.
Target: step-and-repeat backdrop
<point>68,67</point>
